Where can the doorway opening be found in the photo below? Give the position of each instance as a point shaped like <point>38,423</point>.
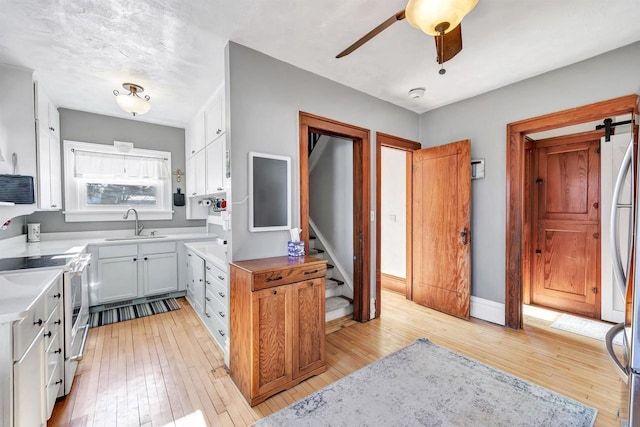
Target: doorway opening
<point>311,129</point>
<point>394,195</point>
<point>550,220</point>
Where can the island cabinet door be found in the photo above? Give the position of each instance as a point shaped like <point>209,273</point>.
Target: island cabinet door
<point>272,336</point>
<point>308,326</point>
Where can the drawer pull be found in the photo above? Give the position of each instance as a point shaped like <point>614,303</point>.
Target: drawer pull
<point>58,351</point>
<point>208,315</point>
<point>58,322</point>
<point>208,282</point>
<point>273,279</point>
<point>220,277</point>
<point>221,314</point>
<point>221,294</point>
<point>310,272</point>
<point>208,268</point>
<point>48,334</point>
<point>275,292</point>
<point>188,254</point>
<point>207,298</point>
<point>146,258</point>
<point>39,322</point>
<point>58,382</point>
<point>58,295</point>
<point>220,332</point>
<point>135,259</point>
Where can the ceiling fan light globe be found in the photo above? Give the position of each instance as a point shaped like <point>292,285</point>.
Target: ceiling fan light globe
<point>427,15</point>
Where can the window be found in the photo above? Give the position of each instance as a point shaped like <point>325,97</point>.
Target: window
<point>101,182</point>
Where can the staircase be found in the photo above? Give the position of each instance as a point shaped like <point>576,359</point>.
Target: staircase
<point>338,302</point>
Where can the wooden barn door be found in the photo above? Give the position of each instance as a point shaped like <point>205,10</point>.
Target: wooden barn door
<point>566,225</point>
<point>441,228</point>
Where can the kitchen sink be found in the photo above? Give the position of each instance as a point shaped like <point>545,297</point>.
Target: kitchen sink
<point>114,239</point>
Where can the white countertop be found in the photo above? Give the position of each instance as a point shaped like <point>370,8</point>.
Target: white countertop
<point>212,252</point>
<point>20,290</point>
<point>58,243</point>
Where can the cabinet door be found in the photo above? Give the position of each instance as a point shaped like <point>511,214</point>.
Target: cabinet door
<point>215,166</point>
<point>196,277</point>
<point>213,118</point>
<point>198,133</point>
<point>160,273</point>
<point>55,169</point>
<point>118,279</point>
<point>29,385</point>
<point>200,173</point>
<point>272,314</point>
<point>308,326</point>
<point>44,169</point>
<point>54,120</point>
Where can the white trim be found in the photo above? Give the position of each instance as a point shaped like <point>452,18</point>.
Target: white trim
<point>81,216</point>
<point>488,310</point>
<point>331,253</point>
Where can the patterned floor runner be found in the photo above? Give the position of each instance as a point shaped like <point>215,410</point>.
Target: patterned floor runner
<point>107,317</point>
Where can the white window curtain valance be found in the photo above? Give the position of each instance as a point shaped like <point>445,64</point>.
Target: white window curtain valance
<point>90,164</point>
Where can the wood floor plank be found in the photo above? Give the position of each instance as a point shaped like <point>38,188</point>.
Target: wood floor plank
<point>166,370</point>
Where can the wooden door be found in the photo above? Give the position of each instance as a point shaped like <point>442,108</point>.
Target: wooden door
<point>272,314</point>
<point>441,228</point>
<point>566,234</point>
<point>308,326</point>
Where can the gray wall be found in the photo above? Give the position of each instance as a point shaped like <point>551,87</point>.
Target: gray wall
<point>264,97</point>
<point>96,128</point>
<point>483,120</point>
<point>331,200</point>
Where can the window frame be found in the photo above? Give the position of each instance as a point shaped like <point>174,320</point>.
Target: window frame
<point>74,187</point>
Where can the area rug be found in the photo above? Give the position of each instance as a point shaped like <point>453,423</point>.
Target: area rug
<point>424,384</point>
<point>587,327</point>
<point>114,315</point>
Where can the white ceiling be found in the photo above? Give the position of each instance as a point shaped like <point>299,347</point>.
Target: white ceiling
<point>83,49</point>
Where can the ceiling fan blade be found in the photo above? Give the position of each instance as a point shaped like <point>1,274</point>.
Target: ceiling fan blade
<point>371,34</point>
<point>452,44</point>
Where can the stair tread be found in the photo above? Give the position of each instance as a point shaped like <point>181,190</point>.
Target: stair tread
<point>315,251</point>
<point>337,282</point>
<point>335,303</point>
<point>330,266</point>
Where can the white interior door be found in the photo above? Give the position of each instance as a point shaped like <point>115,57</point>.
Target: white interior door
<point>612,154</point>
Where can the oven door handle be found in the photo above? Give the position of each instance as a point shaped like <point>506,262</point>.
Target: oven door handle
<point>80,354</point>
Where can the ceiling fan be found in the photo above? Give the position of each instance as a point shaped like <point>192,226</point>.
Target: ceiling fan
<point>439,18</point>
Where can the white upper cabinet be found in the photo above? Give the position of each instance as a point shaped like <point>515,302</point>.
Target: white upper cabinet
<point>214,116</point>
<point>48,152</point>
<point>196,140</point>
<point>215,165</point>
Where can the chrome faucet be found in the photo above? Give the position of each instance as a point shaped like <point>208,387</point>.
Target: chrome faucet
<point>139,225</point>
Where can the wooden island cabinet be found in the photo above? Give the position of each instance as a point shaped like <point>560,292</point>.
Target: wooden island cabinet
<point>277,336</point>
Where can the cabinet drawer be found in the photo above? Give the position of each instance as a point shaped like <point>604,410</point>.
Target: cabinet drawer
<point>117,251</point>
<point>53,326</point>
<point>270,279</point>
<point>25,330</point>
<point>54,297</point>
<point>54,355</point>
<point>219,290</point>
<point>216,272</point>
<point>219,330</point>
<point>53,388</point>
<point>216,307</point>
<point>157,248</point>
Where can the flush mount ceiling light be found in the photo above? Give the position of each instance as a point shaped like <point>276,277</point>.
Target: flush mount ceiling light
<point>416,93</point>
<point>131,102</point>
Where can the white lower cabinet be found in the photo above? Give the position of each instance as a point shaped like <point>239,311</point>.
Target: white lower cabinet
<point>34,346</point>
<point>118,279</point>
<point>160,274</point>
<point>127,272</point>
<point>29,385</point>
<point>208,294</point>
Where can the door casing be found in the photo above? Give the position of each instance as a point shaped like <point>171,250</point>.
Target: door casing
<point>361,200</point>
<point>516,235</point>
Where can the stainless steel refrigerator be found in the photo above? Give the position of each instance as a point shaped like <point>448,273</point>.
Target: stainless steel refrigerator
<point>627,359</point>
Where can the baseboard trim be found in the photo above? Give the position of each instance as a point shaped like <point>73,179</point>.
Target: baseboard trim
<point>393,283</point>
<point>488,310</point>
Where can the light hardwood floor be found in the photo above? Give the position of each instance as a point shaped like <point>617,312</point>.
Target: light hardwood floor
<point>166,370</point>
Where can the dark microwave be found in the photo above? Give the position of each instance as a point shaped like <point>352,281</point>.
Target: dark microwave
<point>17,189</point>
